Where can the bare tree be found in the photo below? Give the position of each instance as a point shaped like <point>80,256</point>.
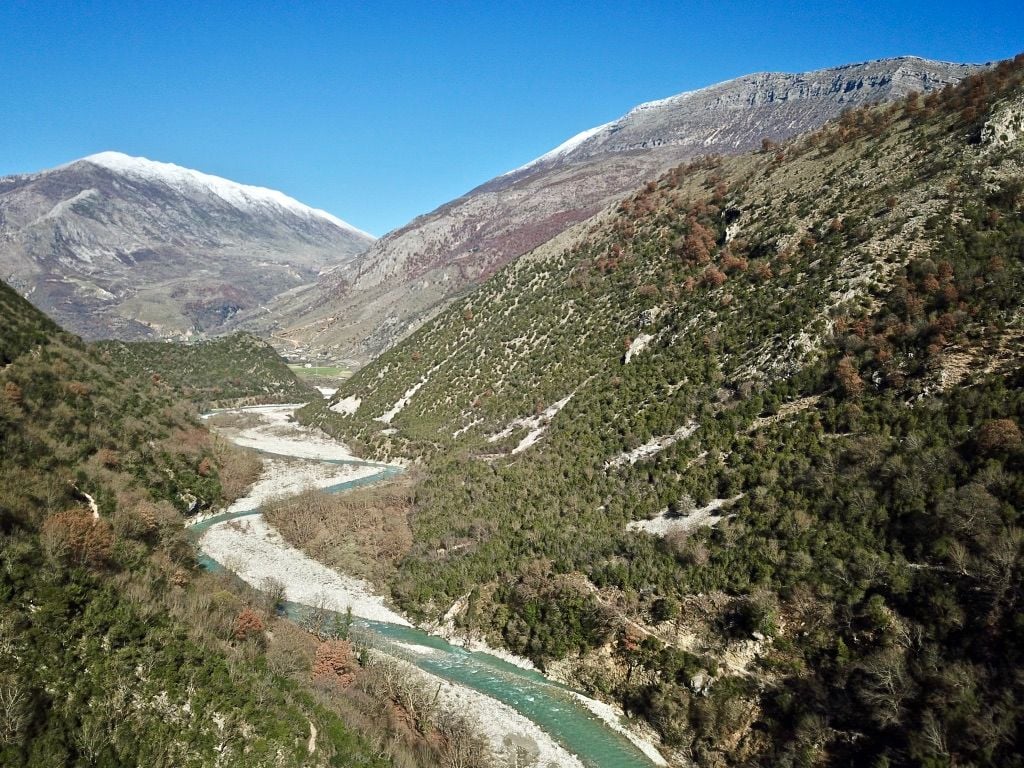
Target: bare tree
<point>14,710</point>
<point>317,618</point>
<point>888,685</point>
<point>92,737</point>
<point>273,594</point>
<point>463,748</point>
<point>933,733</point>
<point>959,556</point>
<point>1002,557</point>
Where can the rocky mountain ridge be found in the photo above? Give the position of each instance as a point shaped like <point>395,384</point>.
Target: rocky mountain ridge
<point>114,246</point>
<point>692,118</point>
<point>362,307</point>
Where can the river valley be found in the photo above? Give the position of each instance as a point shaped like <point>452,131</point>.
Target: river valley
<point>509,702</point>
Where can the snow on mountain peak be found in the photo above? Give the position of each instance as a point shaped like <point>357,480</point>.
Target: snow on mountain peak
<point>185,179</point>
<point>665,102</point>
<point>564,148</point>
<point>568,146</point>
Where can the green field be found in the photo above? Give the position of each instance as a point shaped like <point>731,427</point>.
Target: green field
<point>321,371</point>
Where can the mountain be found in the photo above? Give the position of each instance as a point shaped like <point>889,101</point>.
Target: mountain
<point>744,452</point>
<point>359,308</point>
<point>113,246</point>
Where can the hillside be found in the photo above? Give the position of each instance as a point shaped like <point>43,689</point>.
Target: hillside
<point>213,372</point>
<point>114,648</point>
<point>23,330</point>
<point>113,246</point>
<point>744,453</point>
<point>358,309</point>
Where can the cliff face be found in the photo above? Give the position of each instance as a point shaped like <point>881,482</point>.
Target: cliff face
<point>116,246</point>
<point>362,307</point>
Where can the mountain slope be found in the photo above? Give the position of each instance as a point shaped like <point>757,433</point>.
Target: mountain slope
<point>360,308</point>
<point>23,330</point>
<point>114,246</point>
<point>212,372</point>
<point>745,452</point>
<point>114,648</point>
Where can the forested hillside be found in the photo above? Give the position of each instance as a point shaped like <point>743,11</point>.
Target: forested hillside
<point>744,453</point>
<point>114,648</point>
<point>22,330</point>
<point>212,372</point>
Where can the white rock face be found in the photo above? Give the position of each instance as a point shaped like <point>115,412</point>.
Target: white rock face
<point>537,425</point>
<point>662,525</point>
<point>347,406</point>
<point>771,105</point>
<point>387,416</point>
<point>638,345</point>
<point>1006,125</point>
<point>652,447</point>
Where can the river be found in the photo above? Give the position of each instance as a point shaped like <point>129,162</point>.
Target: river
<point>554,708</point>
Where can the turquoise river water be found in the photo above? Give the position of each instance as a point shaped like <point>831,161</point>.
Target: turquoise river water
<point>548,704</point>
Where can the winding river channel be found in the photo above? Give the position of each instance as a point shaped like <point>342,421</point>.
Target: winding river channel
<point>554,708</point>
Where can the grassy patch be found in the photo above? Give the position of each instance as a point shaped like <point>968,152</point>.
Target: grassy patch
<point>338,373</point>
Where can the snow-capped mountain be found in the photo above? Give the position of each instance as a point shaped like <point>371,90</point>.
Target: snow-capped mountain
<point>188,181</point>
<point>366,305</point>
<point>738,114</point>
<point>119,246</point>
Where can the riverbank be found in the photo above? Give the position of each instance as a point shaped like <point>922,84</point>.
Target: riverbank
<point>255,551</point>
<point>272,429</point>
<point>501,725</point>
<point>612,716</point>
<point>288,477</point>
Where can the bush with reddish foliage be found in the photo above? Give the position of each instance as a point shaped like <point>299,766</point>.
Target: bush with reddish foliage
<point>714,277</point>
<point>999,435</point>
<point>335,663</point>
<point>78,389</point>
<point>76,537</point>
<point>248,624</point>
<point>732,263</point>
<point>12,393</point>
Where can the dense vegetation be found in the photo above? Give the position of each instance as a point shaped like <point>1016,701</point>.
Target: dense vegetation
<point>114,649</point>
<point>23,331</point>
<point>212,372</point>
<point>838,321</point>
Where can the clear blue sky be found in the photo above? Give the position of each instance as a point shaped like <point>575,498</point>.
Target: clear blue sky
<point>378,111</point>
